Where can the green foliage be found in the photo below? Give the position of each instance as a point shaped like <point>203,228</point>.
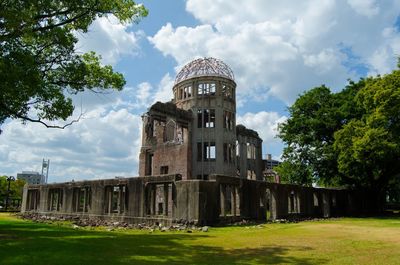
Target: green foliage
<point>309,134</point>
<point>348,138</point>
<point>294,173</point>
<point>39,66</point>
<point>369,147</point>
<point>16,189</point>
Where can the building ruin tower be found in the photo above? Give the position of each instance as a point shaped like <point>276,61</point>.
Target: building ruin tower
<point>206,87</point>
<point>195,134</point>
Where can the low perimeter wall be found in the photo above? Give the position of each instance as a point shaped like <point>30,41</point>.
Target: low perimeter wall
<point>167,199</point>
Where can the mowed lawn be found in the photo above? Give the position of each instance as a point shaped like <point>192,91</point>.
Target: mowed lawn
<point>335,241</point>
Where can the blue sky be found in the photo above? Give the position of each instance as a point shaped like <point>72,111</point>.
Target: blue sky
<point>275,51</point>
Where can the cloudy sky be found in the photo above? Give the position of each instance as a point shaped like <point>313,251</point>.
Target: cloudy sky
<point>277,50</point>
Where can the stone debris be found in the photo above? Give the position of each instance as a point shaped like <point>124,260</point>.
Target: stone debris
<point>79,222</point>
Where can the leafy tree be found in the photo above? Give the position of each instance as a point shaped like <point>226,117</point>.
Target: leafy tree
<point>293,172</point>
<point>348,138</point>
<point>369,147</point>
<point>309,134</point>
<point>39,65</point>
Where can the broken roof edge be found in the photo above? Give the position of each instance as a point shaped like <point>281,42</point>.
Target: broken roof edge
<point>169,108</point>
<point>242,130</point>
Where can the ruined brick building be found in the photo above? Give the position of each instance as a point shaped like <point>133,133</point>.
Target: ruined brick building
<point>195,135</point>
<point>195,165</point>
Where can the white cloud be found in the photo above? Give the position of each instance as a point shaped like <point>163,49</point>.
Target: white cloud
<point>164,90</point>
<point>109,38</point>
<point>184,42</point>
<point>102,145</point>
<point>383,59</point>
<point>275,50</point>
<point>265,123</point>
<point>364,7</point>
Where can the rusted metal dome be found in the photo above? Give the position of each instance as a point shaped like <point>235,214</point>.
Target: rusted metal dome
<point>204,67</point>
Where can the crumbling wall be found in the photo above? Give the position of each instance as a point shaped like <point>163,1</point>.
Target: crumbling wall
<point>166,146</point>
<point>249,159</point>
<point>168,198</point>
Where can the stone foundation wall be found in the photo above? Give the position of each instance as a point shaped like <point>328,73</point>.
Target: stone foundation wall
<point>168,199</point>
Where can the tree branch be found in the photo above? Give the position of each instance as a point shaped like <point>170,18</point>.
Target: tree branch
<point>26,118</point>
<point>64,22</point>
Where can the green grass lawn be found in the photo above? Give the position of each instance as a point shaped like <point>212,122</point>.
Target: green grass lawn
<point>336,241</point>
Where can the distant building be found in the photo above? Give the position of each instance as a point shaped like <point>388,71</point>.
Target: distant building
<point>31,177</point>
<point>268,169</point>
<point>270,163</point>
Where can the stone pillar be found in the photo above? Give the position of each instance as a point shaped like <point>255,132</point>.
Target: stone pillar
<point>242,157</point>
<point>273,204</point>
<point>24,199</point>
<point>258,161</point>
<point>237,199</point>
<point>326,206</point>
<point>166,201</point>
<point>233,201</point>
<point>152,200</point>
<point>170,201</point>
<point>222,199</point>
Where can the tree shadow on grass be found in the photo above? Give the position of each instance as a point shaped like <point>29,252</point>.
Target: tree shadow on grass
<point>30,243</point>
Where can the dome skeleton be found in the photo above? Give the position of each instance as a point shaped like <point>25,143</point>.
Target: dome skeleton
<point>204,67</point>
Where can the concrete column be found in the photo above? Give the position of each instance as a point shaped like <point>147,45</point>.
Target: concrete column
<point>222,199</point>
<point>170,201</point>
<point>152,199</point>
<point>166,202</point>
<point>25,200</point>
<point>233,201</point>
<point>237,199</point>
<point>243,157</point>
<point>273,204</point>
<point>258,161</point>
<point>326,206</point>
<point>84,200</point>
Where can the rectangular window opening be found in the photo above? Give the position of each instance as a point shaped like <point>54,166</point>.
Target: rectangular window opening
<point>211,118</point>
<point>55,199</point>
<point>163,170</point>
<point>206,118</point>
<point>208,89</point>
<point>187,92</point>
<point>207,151</point>
<point>211,155</point>
<point>116,199</point>
<point>315,200</point>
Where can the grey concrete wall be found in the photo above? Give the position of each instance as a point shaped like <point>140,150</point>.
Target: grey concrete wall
<point>204,201</point>
<point>218,135</point>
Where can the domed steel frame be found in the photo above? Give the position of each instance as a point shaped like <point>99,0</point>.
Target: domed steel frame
<point>204,67</point>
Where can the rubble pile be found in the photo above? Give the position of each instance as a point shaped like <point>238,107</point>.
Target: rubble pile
<point>79,222</point>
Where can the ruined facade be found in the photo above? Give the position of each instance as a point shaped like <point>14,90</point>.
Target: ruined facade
<point>195,165</point>
<point>195,135</point>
